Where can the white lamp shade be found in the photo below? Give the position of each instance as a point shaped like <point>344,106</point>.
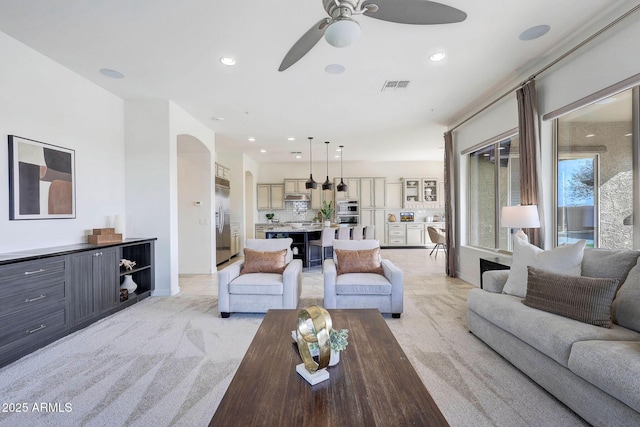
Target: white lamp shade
<point>343,32</point>
<point>520,217</point>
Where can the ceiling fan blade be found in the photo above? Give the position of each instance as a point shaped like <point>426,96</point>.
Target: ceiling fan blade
<point>418,12</point>
<point>304,44</point>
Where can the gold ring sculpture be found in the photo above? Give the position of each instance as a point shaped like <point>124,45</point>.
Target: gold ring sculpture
<point>317,332</point>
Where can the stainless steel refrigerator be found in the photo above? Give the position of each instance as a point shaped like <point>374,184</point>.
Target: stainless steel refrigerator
<point>223,225</point>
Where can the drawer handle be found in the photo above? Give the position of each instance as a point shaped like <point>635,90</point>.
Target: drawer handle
<point>26,273</point>
<point>97,254</point>
<point>35,299</point>
<point>37,329</point>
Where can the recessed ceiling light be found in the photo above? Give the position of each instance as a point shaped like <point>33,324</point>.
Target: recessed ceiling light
<point>534,32</point>
<point>334,69</point>
<point>591,135</point>
<point>438,56</point>
<point>252,139</point>
<point>628,134</point>
<point>263,151</point>
<point>114,74</point>
<point>227,60</point>
<point>217,119</point>
<point>291,138</point>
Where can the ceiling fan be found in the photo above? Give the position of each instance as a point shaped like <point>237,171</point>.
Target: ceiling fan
<point>340,29</point>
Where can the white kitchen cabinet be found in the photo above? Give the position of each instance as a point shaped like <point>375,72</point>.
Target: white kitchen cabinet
<point>318,195</point>
<point>270,196</point>
<point>396,234</point>
<point>295,186</point>
<point>423,193</point>
<point>366,193</point>
<point>353,189</point>
<point>380,193</point>
<point>394,195</point>
<point>222,171</point>
<point>415,234</point>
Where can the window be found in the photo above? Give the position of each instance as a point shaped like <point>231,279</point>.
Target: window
<point>494,181</point>
<point>594,174</point>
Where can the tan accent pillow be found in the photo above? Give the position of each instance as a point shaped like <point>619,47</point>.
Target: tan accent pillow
<point>360,261</point>
<point>264,262</point>
<point>585,299</point>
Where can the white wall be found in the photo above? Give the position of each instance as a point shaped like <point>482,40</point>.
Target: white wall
<point>41,100</point>
<point>393,171</point>
<point>194,224</point>
<point>612,58</point>
<point>152,128</point>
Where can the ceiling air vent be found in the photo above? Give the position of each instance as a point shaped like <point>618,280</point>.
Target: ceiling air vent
<point>391,85</point>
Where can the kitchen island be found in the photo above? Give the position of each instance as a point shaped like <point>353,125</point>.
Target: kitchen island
<point>300,235</point>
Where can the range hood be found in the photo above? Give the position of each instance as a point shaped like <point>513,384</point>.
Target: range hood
<point>297,198</point>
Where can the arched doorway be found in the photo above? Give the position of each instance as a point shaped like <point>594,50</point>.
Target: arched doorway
<point>195,200</point>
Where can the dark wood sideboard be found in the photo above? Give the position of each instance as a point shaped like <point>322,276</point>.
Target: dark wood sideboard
<point>48,293</point>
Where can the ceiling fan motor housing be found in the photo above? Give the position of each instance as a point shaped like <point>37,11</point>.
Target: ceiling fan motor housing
<point>344,8</point>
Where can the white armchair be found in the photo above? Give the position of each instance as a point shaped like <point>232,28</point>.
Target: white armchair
<point>363,290</point>
<point>259,292</point>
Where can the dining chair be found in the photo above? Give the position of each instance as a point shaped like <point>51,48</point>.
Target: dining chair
<point>357,232</point>
<point>344,233</point>
<point>370,232</point>
<point>438,238</point>
<point>325,241</point>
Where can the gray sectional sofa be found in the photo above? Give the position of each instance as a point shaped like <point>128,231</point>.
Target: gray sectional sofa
<point>595,371</point>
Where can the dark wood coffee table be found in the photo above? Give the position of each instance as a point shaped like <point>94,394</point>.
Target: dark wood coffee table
<point>374,383</point>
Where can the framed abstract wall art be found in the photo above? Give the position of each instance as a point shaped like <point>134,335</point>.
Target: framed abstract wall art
<point>42,180</point>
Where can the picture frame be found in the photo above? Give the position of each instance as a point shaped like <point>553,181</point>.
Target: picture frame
<point>42,180</point>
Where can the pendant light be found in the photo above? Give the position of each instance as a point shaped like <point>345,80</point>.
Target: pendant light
<point>342,186</point>
<point>310,182</point>
<point>327,185</point>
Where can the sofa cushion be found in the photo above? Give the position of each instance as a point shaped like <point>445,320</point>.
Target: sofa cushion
<point>353,245</point>
<point>359,261</point>
<point>264,262</point>
<point>566,259</point>
<point>586,299</point>
<point>612,366</point>
<point>362,284</point>
<point>626,305</point>
<point>612,263</point>
<point>270,245</point>
<point>257,284</point>
<point>549,333</point>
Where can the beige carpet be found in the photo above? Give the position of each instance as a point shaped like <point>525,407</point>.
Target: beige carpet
<point>168,361</point>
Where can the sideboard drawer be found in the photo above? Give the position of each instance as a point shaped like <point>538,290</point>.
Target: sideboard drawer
<point>25,296</point>
<point>16,275</point>
<point>28,327</point>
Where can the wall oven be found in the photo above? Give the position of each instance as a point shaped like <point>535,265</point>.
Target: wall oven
<point>347,212</point>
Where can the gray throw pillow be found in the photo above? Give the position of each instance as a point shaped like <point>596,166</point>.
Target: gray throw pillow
<point>609,263</point>
<point>585,299</point>
<point>566,259</point>
<point>626,306</point>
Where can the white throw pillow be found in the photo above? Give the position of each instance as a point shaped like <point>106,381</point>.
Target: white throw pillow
<point>565,259</point>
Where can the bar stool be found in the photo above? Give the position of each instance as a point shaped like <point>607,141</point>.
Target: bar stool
<point>326,241</point>
<point>344,233</point>
<point>357,233</point>
<point>370,232</point>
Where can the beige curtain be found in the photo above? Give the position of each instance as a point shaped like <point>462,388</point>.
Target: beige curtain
<point>448,205</point>
<point>529,129</point>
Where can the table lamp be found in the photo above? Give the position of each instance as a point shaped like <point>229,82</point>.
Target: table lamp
<point>520,216</point>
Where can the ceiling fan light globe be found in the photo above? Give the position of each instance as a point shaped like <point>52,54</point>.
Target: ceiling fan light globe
<point>343,32</point>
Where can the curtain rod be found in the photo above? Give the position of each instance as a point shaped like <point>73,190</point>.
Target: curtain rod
<point>551,64</point>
